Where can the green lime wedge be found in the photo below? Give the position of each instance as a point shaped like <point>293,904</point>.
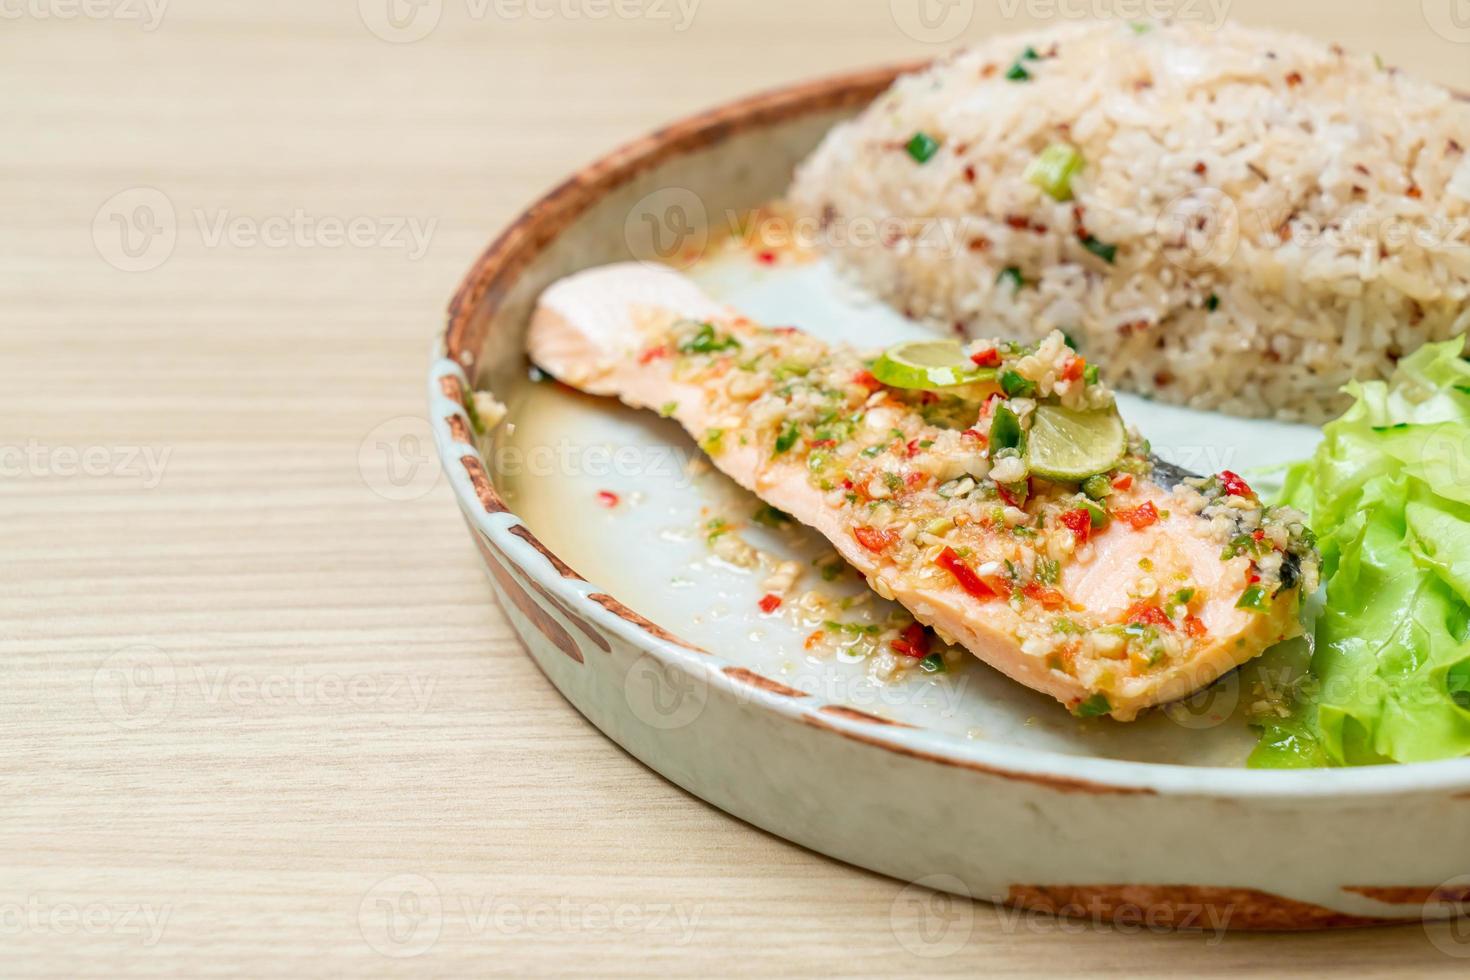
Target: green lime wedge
<point>928,364</point>
<point>1069,445</point>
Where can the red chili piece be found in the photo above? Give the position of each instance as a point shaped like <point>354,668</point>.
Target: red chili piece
<point>1235,486</point>
<point>1150,615</point>
<point>914,642</point>
<point>1079,522</point>
<point>873,539</point>
<point>964,574</point>
<point>1049,598</point>
<point>1008,498</point>
<point>1140,517</point>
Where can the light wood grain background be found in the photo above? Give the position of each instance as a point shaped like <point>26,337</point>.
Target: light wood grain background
<point>245,688</point>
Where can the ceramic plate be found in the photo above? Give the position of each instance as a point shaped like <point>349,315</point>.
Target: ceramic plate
<point>963,781</point>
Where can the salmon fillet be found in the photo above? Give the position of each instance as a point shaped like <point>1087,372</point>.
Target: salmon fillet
<point>1136,597</point>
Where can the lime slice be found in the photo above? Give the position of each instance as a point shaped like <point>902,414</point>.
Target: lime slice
<point>928,364</point>
<point>1069,445</point>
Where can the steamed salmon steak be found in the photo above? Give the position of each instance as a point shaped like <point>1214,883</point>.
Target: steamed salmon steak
<point>1110,591</point>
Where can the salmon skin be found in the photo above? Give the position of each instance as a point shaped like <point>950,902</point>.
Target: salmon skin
<point>1135,593</point>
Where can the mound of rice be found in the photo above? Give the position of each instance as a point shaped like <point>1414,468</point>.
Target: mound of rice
<point>1258,218</point>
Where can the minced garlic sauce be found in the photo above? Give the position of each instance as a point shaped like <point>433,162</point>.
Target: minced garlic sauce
<point>937,484</point>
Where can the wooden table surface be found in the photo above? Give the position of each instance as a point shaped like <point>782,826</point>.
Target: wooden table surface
<point>258,710</point>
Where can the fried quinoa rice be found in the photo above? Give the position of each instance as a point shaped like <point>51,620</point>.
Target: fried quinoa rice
<point>1236,220</point>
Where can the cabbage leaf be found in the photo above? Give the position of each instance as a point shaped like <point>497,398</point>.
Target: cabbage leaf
<point>1388,494</point>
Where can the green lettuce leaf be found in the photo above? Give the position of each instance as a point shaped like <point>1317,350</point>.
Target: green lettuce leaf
<point>1388,493</point>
